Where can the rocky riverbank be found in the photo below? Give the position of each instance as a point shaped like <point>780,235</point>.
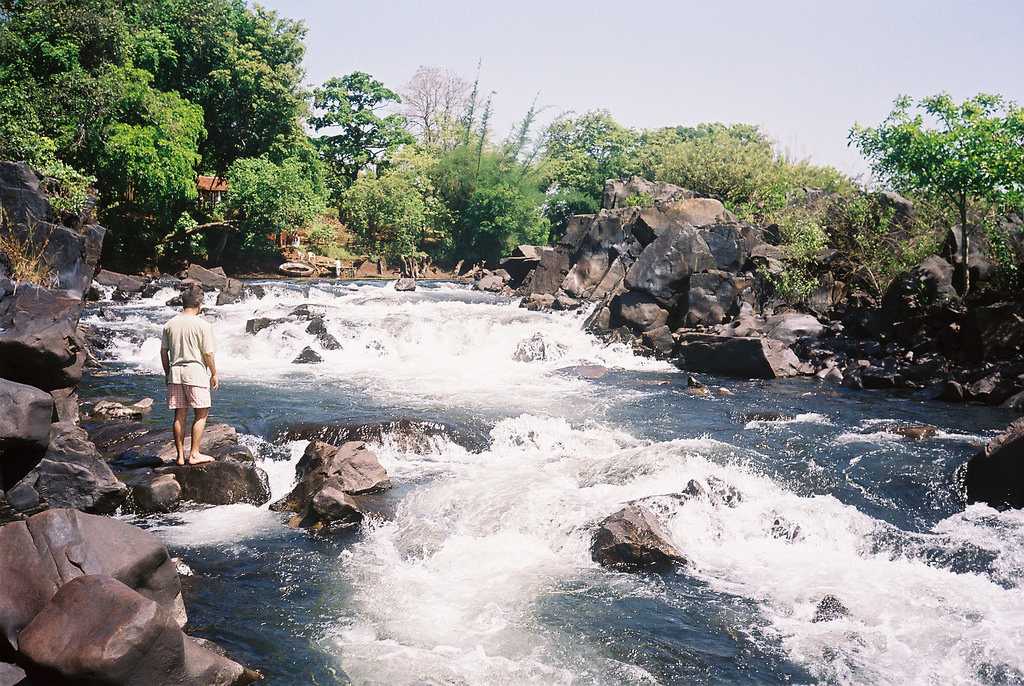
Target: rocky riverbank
<point>684,280</point>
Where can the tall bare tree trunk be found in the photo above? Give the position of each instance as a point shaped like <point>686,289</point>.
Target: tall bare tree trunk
<point>965,248</point>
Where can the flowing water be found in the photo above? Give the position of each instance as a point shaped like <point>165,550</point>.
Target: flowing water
<point>479,573</point>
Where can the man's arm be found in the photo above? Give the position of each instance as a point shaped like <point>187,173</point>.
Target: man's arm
<point>212,366</point>
<point>165,359</point>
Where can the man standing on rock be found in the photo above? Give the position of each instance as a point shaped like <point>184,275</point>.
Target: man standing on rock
<point>186,351</point>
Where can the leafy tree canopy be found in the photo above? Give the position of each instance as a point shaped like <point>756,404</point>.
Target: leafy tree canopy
<point>959,153</point>
<point>352,107</point>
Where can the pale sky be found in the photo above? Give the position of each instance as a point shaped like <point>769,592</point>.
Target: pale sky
<point>804,71</point>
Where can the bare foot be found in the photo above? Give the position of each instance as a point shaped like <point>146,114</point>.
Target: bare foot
<point>181,461</point>
<point>199,459</point>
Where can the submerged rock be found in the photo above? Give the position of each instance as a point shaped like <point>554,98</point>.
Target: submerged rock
<point>830,609</point>
<point>537,348</point>
<point>254,326</point>
<point>308,356</point>
<point>995,475</point>
<point>632,539</point>
<point>112,409</point>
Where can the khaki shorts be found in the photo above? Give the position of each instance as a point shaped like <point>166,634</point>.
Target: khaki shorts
<point>182,396</point>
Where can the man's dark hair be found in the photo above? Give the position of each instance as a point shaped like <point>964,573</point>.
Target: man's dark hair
<point>192,296</point>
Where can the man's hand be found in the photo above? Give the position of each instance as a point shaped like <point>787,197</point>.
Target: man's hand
<point>214,383</point>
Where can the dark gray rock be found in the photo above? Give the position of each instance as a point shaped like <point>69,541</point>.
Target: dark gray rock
<point>712,297</point>
<point>830,609</point>
<point>617,192</point>
<point>664,266</point>
<point>928,286</point>
<point>122,282</point>
<point>995,475</point>
<point>151,492</point>
<point>25,415</point>
<point>39,340</point>
<point>639,310</point>
<point>72,475</point>
<point>537,348</point>
<point>308,356</point>
<point>789,327</point>
<point>254,326</point>
<point>405,284</point>
<point>760,358</point>
<point>207,278</point>
<point>632,539</point>
<point>660,340</point>
<point>221,482</point>
<point>231,292</point>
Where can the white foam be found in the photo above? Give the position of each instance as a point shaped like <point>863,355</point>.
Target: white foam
<point>802,418</point>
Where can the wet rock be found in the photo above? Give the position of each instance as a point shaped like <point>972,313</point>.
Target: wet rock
<point>590,372</point>
<point>405,284</point>
<point>45,551</point>
<point>25,415</point>
<point>537,348</point>
<point>328,476</point>
<point>254,326</point>
<point>566,303</point>
<point>913,432</point>
<point>693,382</point>
<point>308,356</point>
<point>784,529</point>
<point>112,409</point>
<point>547,277</point>
<point>328,342</point>
<point>232,292</point>
<point>122,282</point>
<point>927,286</point>
<point>760,358</point>
<point>724,392</point>
<point>632,539</point>
<point>221,482</point>
<point>660,340</point>
<point>830,609</point>
<point>150,492</point>
<point>766,416</point>
<point>538,302</point>
<point>995,474</point>
<point>39,340</point>
<point>207,278</point>
<point>308,311</point>
<point>72,475</point>
<point>130,445</point>
<point>96,629</point>
<point>491,283</point>
<point>664,266</point>
<point>409,435</point>
<point>953,391</point>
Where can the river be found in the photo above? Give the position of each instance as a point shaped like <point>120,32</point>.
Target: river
<point>480,571</point>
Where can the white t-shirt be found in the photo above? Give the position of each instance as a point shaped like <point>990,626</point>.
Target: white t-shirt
<point>186,338</point>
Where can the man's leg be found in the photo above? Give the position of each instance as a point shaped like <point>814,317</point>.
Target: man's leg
<point>180,416</point>
<point>198,426</point>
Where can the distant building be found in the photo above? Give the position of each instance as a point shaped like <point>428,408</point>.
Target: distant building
<point>211,189</point>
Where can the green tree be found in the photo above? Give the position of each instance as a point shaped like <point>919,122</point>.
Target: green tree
<point>268,197</point>
<point>582,152</point>
<point>353,107</point>
<point>387,214</point>
<point>963,154</point>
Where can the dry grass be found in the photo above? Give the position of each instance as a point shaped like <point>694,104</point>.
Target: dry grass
<point>25,256</point>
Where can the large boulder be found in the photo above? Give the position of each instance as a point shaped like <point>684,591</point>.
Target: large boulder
<point>406,283</point>
<point>995,475</point>
<point>547,277</point>
<point>747,358</point>
<point>25,414</point>
<point>221,482</point>
<point>42,553</point>
<point>665,264</point>
<point>713,296</point>
<point>608,237</point>
<point>71,243</point>
<point>231,292</point>
<point>639,310</point>
<point>327,478</point>
<point>913,294</point>
<point>39,340</point>
<point>617,192</point>
<point>70,475</point>
<point>134,444</point>
<point>122,282</point>
<point>993,332</point>
<point>98,630</point>
<point>207,278</point>
<point>698,211</point>
<point>632,539</point>
<point>789,327</point>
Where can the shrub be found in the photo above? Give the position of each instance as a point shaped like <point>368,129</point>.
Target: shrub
<point>564,204</point>
<point>25,254</point>
<point>66,188</point>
